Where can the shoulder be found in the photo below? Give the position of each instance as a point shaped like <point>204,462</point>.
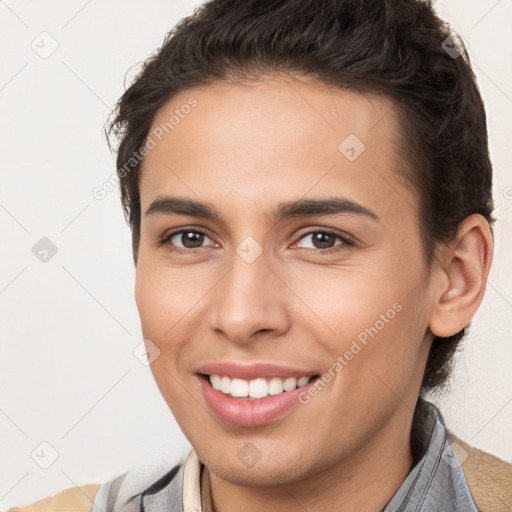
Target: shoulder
<point>121,491</point>
<point>489,478</point>
<point>124,493</point>
<point>78,499</point>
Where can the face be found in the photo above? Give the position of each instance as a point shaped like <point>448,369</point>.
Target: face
<point>290,269</point>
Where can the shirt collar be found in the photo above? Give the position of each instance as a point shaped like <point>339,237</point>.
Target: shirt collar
<point>435,483</point>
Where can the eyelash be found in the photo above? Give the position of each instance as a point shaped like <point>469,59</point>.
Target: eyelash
<point>345,241</point>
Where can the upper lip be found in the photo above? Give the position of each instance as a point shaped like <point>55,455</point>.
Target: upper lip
<point>252,371</point>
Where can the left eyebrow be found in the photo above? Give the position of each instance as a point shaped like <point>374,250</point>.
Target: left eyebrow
<point>328,206</point>
<point>301,208</point>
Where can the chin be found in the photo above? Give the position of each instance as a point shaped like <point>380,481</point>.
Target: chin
<point>275,467</point>
<point>260,475</point>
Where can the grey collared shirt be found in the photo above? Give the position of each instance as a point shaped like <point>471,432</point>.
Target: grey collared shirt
<point>435,484</point>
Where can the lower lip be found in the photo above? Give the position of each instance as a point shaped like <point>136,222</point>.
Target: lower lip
<point>251,413</point>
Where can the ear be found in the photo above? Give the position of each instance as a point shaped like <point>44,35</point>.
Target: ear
<point>465,265</point>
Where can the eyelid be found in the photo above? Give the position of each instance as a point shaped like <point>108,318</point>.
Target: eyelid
<point>344,245</point>
<point>347,240</point>
<point>166,237</point>
<point>345,237</point>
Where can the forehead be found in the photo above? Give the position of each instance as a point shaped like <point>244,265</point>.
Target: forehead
<point>274,140</point>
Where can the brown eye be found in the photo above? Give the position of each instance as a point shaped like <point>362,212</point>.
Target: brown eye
<point>191,239</point>
<point>321,240</point>
<point>186,239</point>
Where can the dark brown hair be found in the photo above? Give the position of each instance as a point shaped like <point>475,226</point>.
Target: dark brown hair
<point>398,48</point>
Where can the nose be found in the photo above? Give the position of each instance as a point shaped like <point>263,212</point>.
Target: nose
<point>249,301</point>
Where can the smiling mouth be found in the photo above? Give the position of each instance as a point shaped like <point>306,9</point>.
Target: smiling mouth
<point>257,388</point>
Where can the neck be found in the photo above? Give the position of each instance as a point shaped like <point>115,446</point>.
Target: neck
<point>366,480</point>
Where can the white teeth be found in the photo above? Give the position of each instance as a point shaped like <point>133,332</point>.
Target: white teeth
<point>225,385</point>
<point>215,381</point>
<point>290,383</point>
<point>256,388</point>
<point>275,386</point>
<point>302,381</point>
<point>239,388</point>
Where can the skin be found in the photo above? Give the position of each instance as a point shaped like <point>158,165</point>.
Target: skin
<point>243,149</point>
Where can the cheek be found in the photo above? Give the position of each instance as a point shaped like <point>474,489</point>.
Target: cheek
<point>163,298</point>
<point>161,306</point>
<point>346,302</point>
<point>377,325</point>
<point>383,358</point>
<point>150,297</point>
<point>170,302</point>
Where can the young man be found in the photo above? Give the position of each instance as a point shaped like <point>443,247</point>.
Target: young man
<point>309,191</point>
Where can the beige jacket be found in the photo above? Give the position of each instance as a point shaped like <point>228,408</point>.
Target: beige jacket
<point>489,479</point>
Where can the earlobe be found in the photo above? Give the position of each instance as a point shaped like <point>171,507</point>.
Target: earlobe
<point>466,263</point>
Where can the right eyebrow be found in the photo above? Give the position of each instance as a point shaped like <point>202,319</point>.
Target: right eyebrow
<point>178,206</point>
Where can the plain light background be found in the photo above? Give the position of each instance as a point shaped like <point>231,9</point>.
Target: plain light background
<point>68,327</point>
